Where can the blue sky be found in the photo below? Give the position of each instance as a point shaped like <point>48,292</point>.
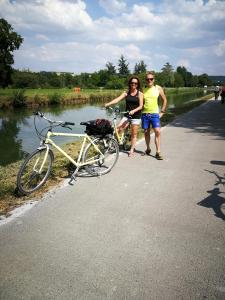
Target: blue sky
<point>82,36</point>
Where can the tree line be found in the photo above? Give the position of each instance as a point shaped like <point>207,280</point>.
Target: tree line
<point>111,77</point>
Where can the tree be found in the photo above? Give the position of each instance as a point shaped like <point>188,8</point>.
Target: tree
<point>140,67</point>
<point>123,66</point>
<point>203,80</point>
<point>111,69</point>
<point>168,74</point>
<point>187,76</point>
<point>9,41</point>
<point>178,80</point>
<point>25,79</point>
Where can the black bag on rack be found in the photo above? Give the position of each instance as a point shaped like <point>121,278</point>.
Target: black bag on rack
<point>100,127</point>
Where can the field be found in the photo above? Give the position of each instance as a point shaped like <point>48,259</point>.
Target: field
<point>61,91</point>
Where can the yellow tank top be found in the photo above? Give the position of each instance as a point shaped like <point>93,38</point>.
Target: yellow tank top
<point>151,100</point>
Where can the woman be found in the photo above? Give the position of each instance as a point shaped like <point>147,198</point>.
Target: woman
<point>134,104</point>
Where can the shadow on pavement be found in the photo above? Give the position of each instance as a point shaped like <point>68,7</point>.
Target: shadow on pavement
<point>217,162</point>
<point>216,202</point>
<point>205,119</point>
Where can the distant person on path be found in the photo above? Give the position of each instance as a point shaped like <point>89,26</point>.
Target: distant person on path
<point>222,94</point>
<point>216,92</point>
<point>134,104</point>
<point>151,114</point>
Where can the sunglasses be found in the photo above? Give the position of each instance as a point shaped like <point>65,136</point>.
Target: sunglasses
<point>132,82</point>
<point>150,79</point>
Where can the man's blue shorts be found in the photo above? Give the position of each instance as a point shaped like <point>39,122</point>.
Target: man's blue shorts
<point>150,119</point>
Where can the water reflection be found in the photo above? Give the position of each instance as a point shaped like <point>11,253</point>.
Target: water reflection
<point>17,133</point>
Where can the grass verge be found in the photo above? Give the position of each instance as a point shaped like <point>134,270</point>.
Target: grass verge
<point>61,167</point>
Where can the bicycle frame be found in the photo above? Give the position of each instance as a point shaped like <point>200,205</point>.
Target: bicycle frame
<point>48,141</point>
<point>119,137</point>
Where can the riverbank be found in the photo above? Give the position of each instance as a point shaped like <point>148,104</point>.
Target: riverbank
<point>61,170</point>
<point>14,98</point>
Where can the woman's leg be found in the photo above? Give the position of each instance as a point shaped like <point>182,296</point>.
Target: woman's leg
<point>134,132</point>
<point>122,124</point>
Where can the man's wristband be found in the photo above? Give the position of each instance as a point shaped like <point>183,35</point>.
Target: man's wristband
<point>163,111</point>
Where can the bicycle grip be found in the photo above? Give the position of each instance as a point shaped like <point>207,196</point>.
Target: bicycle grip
<point>38,113</point>
<point>69,123</point>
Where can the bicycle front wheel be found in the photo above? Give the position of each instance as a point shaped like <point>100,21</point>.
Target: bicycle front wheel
<point>34,171</point>
<point>101,163</point>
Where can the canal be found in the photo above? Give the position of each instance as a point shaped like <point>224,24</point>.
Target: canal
<point>17,132</point>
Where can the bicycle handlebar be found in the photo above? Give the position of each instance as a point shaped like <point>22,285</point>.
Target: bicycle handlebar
<point>117,111</point>
<point>41,115</point>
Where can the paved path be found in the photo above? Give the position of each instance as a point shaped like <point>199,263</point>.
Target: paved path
<point>148,230</point>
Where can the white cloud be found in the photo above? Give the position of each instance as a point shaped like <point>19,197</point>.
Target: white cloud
<point>172,31</point>
<point>113,7</point>
<point>77,57</point>
<point>220,48</point>
<point>44,15</point>
<point>41,37</point>
<point>183,62</point>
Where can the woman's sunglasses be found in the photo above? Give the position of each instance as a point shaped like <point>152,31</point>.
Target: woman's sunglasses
<point>132,82</point>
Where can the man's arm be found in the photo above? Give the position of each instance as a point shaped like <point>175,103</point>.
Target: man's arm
<point>164,101</point>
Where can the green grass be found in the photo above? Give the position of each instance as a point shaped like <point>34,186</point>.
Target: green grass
<point>45,97</point>
<point>61,91</point>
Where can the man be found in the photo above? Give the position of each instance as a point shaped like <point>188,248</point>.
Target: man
<point>151,114</point>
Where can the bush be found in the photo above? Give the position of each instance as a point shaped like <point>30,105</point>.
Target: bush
<point>19,98</point>
<point>55,98</point>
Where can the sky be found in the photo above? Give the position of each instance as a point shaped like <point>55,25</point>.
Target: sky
<point>83,35</point>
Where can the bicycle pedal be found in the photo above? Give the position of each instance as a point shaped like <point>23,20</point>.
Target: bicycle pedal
<point>72,179</point>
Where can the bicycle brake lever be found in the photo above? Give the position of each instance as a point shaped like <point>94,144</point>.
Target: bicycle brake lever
<point>65,126</point>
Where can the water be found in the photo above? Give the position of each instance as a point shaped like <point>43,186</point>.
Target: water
<point>18,136</point>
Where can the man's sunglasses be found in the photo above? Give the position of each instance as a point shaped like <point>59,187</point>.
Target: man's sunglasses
<point>149,79</point>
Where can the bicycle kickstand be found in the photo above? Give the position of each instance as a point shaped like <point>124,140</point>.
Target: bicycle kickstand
<point>73,176</point>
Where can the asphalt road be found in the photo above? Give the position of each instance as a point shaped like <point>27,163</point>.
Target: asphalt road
<point>148,230</point>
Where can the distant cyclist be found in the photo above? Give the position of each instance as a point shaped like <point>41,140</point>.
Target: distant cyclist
<point>216,92</point>
<point>134,104</point>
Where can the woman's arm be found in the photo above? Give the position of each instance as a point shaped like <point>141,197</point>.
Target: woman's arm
<point>140,96</point>
<point>116,100</point>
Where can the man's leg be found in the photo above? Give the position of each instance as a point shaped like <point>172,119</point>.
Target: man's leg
<point>157,143</point>
<point>157,138</point>
<point>147,139</point>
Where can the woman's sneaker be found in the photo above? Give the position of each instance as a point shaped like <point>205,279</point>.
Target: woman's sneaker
<point>158,156</point>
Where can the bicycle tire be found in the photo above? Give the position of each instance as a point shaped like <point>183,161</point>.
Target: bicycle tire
<point>28,179</point>
<point>109,147</point>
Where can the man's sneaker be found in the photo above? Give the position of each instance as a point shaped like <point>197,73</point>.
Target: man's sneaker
<point>158,156</point>
<point>147,152</point>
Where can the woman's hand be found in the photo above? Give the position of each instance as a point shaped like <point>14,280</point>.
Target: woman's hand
<point>131,113</point>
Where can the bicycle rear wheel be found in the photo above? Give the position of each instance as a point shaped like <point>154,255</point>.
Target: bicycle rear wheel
<point>126,140</point>
<point>110,150</point>
<point>34,171</point>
